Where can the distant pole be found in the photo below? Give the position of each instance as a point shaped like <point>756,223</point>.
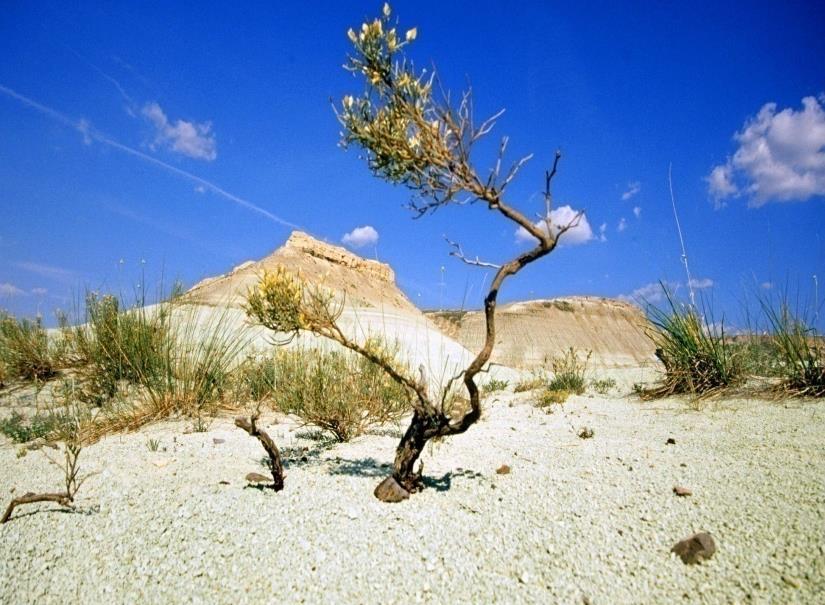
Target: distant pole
<point>441,289</point>
<point>681,239</point>
<point>816,300</point>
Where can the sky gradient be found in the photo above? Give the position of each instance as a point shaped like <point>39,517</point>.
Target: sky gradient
<point>176,140</point>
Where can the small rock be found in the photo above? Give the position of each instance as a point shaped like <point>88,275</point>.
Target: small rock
<point>670,441</point>
<point>503,470</point>
<point>586,433</point>
<point>390,491</point>
<point>223,482</point>
<point>218,440</point>
<point>695,549</point>
<point>161,462</point>
<point>791,581</point>
<point>682,491</point>
<point>258,478</point>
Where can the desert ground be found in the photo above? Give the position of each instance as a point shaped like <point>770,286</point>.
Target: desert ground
<point>570,503</point>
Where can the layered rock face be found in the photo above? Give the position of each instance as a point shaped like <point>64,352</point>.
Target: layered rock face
<point>364,283</point>
<point>530,334</point>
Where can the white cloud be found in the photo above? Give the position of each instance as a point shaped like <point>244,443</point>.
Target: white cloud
<point>39,291</point>
<point>7,289</point>
<point>651,293</point>
<point>637,211</point>
<point>189,138</point>
<point>654,294</point>
<point>632,189</point>
<point>766,285</point>
<point>701,283</point>
<point>579,233</point>
<point>603,232</point>
<point>200,189</point>
<point>781,157</point>
<point>361,236</point>
<point>622,225</point>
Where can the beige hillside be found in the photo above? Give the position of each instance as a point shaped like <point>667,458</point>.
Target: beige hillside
<point>374,305</point>
<point>529,334</point>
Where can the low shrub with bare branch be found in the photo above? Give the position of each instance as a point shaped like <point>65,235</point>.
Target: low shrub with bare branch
<point>410,137</point>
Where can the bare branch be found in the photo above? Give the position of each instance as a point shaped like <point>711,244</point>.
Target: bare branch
<point>459,254</point>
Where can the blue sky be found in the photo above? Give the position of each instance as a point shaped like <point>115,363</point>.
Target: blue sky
<point>141,140</point>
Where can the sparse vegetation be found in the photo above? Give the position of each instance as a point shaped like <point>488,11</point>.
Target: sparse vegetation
<point>69,430</point>
<point>569,372</point>
<point>799,348</point>
<point>603,385</point>
<point>336,391</point>
<point>697,355</point>
<point>22,430</point>
<point>550,397</point>
<point>537,380</point>
<point>152,444</point>
<point>494,386</point>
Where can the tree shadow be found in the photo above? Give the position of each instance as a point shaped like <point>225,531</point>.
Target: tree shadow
<point>370,467</point>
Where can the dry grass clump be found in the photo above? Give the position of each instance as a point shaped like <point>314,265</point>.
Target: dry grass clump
<point>186,371</point>
<point>537,380</point>
<point>26,351</point>
<point>697,355</point>
<point>494,386</point>
<point>550,397</point>
<point>336,391</point>
<point>800,351</point>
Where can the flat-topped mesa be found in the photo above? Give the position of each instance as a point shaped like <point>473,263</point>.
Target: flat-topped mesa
<point>362,282</point>
<point>298,240</point>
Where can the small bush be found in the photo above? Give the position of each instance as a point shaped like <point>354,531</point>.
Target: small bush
<point>603,385</point>
<point>494,386</point>
<point>25,350</point>
<point>569,373</point>
<point>342,393</point>
<point>799,349</point>
<point>550,397</point>
<point>20,430</point>
<point>117,346</point>
<point>697,356</point>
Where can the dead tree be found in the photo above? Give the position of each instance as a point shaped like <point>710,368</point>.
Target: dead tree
<point>410,138</point>
<point>275,465</point>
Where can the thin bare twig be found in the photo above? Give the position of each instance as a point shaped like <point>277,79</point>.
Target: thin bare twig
<point>459,254</point>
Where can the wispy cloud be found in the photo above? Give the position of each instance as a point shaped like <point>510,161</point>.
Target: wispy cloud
<point>58,274</point>
<point>637,211</point>
<point>622,225</point>
<point>603,232</point>
<point>579,233</point>
<point>654,293</point>
<point>192,139</point>
<point>86,130</point>
<point>781,157</point>
<point>361,236</point>
<point>632,189</point>
<point>9,290</point>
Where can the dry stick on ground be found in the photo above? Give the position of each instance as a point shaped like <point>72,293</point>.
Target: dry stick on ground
<point>268,444</point>
<point>66,498</point>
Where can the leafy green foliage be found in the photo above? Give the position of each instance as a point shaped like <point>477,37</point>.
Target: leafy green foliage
<point>22,430</point>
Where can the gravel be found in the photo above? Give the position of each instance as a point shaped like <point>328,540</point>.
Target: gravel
<point>574,521</point>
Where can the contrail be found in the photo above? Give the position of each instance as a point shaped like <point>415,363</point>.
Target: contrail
<point>83,127</point>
